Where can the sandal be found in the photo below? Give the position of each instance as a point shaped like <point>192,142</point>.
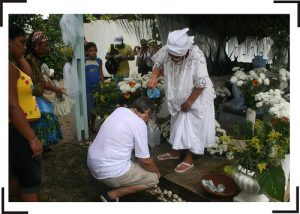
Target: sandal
<point>167,156</point>
<point>184,167</point>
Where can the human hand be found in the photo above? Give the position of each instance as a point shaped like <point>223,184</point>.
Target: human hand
<point>36,147</point>
<point>152,82</point>
<point>186,106</point>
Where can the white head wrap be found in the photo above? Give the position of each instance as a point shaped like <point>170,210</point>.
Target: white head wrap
<point>179,42</point>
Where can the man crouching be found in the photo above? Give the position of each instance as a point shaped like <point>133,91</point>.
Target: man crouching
<point>109,156</point>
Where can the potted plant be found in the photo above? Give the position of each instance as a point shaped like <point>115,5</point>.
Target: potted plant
<point>107,97</point>
<point>250,84</point>
<point>260,158</point>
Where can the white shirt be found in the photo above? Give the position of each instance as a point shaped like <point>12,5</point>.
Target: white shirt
<point>110,153</point>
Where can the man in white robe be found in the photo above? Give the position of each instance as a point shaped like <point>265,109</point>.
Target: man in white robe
<point>190,97</point>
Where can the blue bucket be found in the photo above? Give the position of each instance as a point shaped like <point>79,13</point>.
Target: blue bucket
<point>153,93</point>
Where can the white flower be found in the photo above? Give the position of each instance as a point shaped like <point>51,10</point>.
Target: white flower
<point>229,156</point>
<point>259,104</point>
<point>133,90</point>
<point>122,87</point>
<point>274,110</point>
<point>239,83</point>
<point>127,88</point>
<point>266,81</point>
<point>253,75</point>
<point>262,75</point>
<point>235,68</point>
<point>260,80</point>
<point>233,79</point>
<point>222,92</point>
<point>138,85</point>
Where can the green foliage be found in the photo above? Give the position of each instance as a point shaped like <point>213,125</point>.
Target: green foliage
<point>107,97</point>
<point>89,18</point>
<point>272,182</point>
<point>262,154</point>
<point>34,22</point>
<point>56,59</point>
<point>29,22</point>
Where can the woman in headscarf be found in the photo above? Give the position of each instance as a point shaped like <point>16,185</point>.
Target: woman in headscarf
<point>48,128</point>
<point>189,93</point>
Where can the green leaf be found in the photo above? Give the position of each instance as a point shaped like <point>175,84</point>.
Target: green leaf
<point>272,182</point>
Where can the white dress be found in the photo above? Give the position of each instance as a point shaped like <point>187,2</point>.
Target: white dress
<point>193,130</point>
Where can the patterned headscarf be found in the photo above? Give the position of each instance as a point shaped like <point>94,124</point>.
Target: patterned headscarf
<point>39,36</point>
<point>179,42</point>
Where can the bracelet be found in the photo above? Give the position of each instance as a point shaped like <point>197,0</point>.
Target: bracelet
<point>34,140</point>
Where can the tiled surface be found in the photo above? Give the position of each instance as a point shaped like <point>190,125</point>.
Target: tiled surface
<point>190,180</point>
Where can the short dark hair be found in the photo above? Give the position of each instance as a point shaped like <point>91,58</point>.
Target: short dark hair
<point>143,103</point>
<point>89,45</point>
<point>15,31</point>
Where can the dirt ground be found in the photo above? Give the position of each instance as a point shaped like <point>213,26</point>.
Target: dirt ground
<point>66,177</point>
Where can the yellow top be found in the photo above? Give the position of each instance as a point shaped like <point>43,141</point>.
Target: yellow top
<point>124,65</point>
<point>26,100</point>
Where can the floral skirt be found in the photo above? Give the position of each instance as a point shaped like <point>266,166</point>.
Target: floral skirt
<point>48,129</point>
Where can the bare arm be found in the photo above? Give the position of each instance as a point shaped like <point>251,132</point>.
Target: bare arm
<point>17,116</point>
<point>156,72</point>
<point>149,165</point>
<point>25,67</point>
<point>37,76</point>
<point>186,106</point>
<point>129,57</point>
<point>50,86</point>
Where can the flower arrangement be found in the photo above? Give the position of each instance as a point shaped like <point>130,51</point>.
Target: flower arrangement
<point>274,103</point>
<point>261,154</point>
<point>222,92</point>
<point>107,97</point>
<point>250,84</point>
<point>284,75</point>
<point>165,129</point>
<point>136,86</point>
<point>222,96</point>
<point>130,90</point>
<point>222,142</point>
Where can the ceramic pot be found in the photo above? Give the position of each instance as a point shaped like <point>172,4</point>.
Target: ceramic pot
<point>250,189</point>
<point>251,115</point>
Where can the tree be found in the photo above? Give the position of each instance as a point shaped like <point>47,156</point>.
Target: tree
<point>35,22</point>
